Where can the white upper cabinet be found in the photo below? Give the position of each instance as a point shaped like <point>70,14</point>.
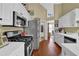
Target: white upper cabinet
<point>6,12</point>
<point>1,10</point>
<point>23,12</point>
<point>61,20</point>
<point>71,19</point>
<point>76,11</point>
<point>18,8</point>
<point>66,20</point>
<point>0,13</point>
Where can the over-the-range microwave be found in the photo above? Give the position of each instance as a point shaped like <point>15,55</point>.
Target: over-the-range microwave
<point>18,20</point>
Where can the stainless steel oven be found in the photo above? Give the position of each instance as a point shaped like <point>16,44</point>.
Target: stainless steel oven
<point>29,49</point>
<point>15,37</point>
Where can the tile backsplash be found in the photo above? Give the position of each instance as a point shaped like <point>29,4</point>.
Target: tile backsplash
<point>0,42</point>
<point>72,29</point>
<point>4,29</point>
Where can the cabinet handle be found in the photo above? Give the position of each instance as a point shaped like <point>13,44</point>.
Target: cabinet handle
<point>0,18</point>
<point>21,13</point>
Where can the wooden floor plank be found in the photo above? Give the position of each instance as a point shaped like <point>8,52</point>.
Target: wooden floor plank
<point>47,48</point>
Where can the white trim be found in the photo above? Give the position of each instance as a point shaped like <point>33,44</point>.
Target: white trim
<point>51,21</point>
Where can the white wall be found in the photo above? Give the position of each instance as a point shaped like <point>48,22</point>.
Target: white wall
<point>42,33</point>
<point>45,33</point>
<point>46,30</point>
<point>51,22</point>
<point>50,8</point>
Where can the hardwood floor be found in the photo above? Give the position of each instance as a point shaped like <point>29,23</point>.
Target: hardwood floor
<point>47,48</point>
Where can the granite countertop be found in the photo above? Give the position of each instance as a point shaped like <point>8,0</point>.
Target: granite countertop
<point>74,48</point>
<point>10,48</point>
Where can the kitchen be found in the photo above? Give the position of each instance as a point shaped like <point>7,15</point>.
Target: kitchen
<point>67,31</point>
<point>23,26</point>
<point>16,32</point>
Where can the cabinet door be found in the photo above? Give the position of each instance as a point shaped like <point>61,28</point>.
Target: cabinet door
<point>59,39</point>
<point>61,22</point>
<point>19,8</point>
<point>22,11</point>
<point>55,37</point>
<point>76,11</point>
<point>7,14</point>
<point>18,52</point>
<point>68,20</point>
<point>66,52</point>
<point>72,18</point>
<point>64,21</point>
<point>0,12</point>
<point>25,14</point>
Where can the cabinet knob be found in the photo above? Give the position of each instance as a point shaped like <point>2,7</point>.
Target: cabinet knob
<point>0,18</point>
<point>21,13</point>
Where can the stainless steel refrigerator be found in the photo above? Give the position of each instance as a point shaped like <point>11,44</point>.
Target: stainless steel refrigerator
<point>34,26</point>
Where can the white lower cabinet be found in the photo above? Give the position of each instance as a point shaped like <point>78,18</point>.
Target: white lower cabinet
<point>66,52</point>
<point>13,49</point>
<point>59,39</point>
<point>18,52</point>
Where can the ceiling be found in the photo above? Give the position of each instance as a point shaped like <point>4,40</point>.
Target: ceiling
<point>49,7</point>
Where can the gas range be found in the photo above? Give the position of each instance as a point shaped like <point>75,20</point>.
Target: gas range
<point>18,38</point>
<point>28,43</point>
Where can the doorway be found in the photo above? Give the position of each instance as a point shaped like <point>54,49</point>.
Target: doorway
<point>50,30</point>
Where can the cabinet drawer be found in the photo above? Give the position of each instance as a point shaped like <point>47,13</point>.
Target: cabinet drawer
<point>66,52</point>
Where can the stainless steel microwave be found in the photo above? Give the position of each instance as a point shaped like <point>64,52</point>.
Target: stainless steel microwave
<point>18,20</point>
